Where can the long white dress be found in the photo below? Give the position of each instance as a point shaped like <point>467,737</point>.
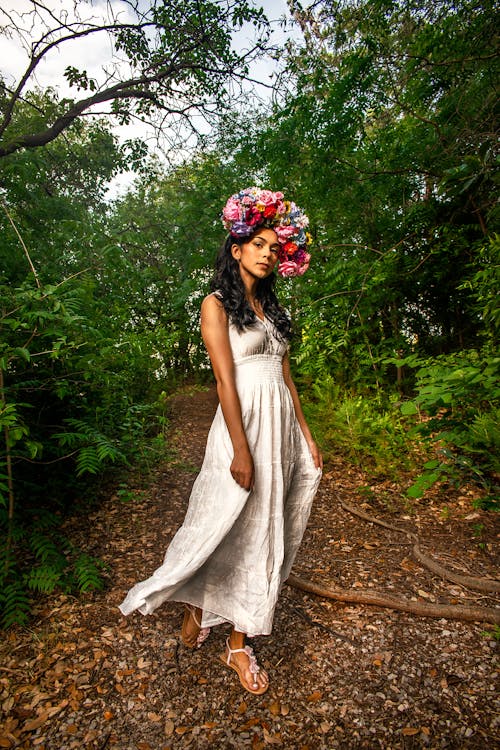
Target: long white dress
<point>235,548</point>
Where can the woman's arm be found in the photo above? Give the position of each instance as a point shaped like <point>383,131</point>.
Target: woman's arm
<point>216,338</point>
<point>315,451</point>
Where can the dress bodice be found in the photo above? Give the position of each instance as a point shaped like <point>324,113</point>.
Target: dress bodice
<point>261,338</point>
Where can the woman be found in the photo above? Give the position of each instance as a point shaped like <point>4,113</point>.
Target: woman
<point>250,503</point>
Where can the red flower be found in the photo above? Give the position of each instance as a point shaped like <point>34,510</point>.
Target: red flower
<point>290,248</point>
<point>253,216</point>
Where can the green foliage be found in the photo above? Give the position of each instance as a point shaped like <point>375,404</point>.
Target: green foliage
<point>47,448</point>
<point>41,561</point>
<point>368,432</point>
<point>94,449</point>
<point>387,139</point>
<point>484,286</point>
<point>43,579</point>
<point>15,604</point>
<point>458,396</point>
<point>88,573</point>
<point>78,384</point>
<point>495,633</point>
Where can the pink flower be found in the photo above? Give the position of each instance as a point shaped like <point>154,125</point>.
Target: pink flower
<point>231,211</point>
<point>284,233</point>
<point>267,197</point>
<point>305,265</point>
<point>280,206</point>
<point>288,269</point>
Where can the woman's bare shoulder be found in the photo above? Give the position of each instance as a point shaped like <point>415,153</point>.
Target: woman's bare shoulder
<point>212,308</point>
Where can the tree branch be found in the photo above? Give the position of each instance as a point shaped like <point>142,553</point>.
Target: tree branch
<point>374,599</point>
<point>487,585</point>
<point>38,57</point>
<point>167,55</point>
<point>123,90</point>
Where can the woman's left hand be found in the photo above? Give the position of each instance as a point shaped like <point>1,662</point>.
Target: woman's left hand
<point>316,454</point>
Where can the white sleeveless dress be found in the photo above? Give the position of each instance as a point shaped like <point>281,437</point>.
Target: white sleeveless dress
<point>235,548</point>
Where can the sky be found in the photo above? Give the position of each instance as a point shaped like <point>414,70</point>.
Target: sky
<point>91,54</point>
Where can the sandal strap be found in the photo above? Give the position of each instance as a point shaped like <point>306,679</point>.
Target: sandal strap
<point>253,667</point>
<point>192,610</point>
<point>202,636</point>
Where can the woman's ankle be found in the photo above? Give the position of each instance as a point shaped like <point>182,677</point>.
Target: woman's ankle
<point>236,639</point>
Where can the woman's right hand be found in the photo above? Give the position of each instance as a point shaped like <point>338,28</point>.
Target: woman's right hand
<point>242,469</point>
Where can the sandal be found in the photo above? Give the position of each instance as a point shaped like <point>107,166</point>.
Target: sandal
<point>254,668</point>
<point>202,634</point>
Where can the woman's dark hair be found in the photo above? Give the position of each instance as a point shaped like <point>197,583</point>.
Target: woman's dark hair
<point>229,288</point>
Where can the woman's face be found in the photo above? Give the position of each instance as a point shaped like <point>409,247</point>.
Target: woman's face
<point>258,256</point>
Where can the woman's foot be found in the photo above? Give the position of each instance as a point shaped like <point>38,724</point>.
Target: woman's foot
<point>242,659</point>
<point>192,634</point>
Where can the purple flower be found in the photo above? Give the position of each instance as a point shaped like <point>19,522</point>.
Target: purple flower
<point>241,229</point>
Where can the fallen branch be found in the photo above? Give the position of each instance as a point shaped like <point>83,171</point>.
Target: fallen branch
<point>447,611</point>
<point>371,519</point>
<point>487,585</point>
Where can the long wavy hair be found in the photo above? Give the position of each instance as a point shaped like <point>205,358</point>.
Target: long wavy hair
<point>229,288</point>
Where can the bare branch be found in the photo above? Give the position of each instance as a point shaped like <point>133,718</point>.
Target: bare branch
<point>36,60</point>
<point>13,225</point>
<point>166,70</point>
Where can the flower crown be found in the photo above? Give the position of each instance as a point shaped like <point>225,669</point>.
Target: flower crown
<point>252,208</point>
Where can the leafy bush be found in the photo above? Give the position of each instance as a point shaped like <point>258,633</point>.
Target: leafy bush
<point>71,404</point>
<point>40,560</point>
<point>457,409</point>
<point>365,429</point>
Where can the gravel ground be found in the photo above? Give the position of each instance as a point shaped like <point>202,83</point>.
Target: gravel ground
<point>342,675</point>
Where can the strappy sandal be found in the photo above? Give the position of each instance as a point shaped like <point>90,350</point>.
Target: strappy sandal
<point>254,668</point>
<point>202,634</point>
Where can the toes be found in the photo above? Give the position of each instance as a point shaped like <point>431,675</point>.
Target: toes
<point>259,680</point>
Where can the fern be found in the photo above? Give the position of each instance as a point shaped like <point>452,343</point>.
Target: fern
<point>44,578</point>
<point>52,563</point>
<point>95,448</point>
<point>88,573</point>
<point>43,547</point>
<point>15,603</point>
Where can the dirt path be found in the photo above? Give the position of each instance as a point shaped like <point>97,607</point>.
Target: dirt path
<point>82,676</point>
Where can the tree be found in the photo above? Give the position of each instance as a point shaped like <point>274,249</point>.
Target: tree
<point>76,393</point>
<point>171,60</point>
<point>388,138</point>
